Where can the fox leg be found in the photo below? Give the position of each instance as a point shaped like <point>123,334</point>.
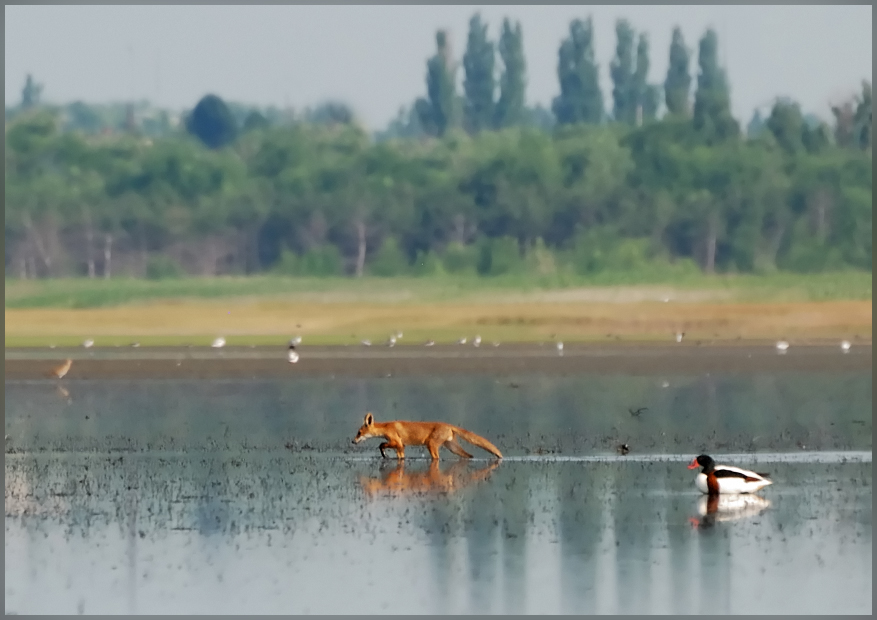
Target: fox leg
<point>383,447</point>
<point>433,447</point>
<point>398,447</point>
<point>452,445</point>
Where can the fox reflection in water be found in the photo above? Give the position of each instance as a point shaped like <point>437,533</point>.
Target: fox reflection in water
<point>433,481</point>
<point>721,508</point>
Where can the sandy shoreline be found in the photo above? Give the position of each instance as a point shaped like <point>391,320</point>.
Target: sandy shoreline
<point>270,362</point>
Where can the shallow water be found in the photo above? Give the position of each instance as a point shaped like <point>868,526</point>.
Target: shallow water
<point>246,497</point>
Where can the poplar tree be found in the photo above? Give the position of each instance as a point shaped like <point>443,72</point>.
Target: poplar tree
<point>513,82</point>
<point>621,70</point>
<point>712,100</point>
<point>478,83</point>
<point>677,86</point>
<point>580,99</point>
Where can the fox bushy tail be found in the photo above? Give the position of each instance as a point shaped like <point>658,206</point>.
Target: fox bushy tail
<point>477,440</point>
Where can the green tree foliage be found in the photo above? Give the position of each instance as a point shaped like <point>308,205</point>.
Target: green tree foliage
<point>712,99</point>
<point>478,83</point>
<point>30,94</point>
<point>677,85</point>
<point>862,117</point>
<point>212,122</point>
<point>647,95</point>
<point>438,112</point>
<point>510,108</point>
<point>580,99</point>
<point>255,121</point>
<point>786,123</point>
<point>621,70</point>
<point>316,195</point>
<point>330,113</point>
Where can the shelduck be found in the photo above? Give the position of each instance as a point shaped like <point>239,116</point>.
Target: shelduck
<point>845,346</point>
<point>218,343</point>
<point>782,346</point>
<point>714,479</point>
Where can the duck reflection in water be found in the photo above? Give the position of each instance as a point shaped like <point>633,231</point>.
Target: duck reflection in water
<point>721,508</point>
<point>402,481</point>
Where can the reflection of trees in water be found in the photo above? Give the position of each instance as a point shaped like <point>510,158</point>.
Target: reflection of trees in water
<point>514,497</point>
<point>483,545</point>
<point>635,527</point>
<point>582,501</point>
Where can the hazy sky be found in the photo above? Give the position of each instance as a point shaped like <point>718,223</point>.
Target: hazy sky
<point>374,57</point>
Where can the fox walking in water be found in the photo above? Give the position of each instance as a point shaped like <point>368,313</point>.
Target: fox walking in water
<point>433,435</point>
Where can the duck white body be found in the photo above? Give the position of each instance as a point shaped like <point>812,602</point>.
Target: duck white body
<point>731,507</point>
<point>726,479</point>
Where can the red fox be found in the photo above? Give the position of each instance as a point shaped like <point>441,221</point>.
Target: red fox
<point>433,435</point>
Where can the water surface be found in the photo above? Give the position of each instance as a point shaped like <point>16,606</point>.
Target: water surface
<point>245,496</point>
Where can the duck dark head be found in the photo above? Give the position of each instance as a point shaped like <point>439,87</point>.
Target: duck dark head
<point>702,461</point>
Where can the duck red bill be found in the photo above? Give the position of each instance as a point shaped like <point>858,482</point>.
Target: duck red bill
<point>693,464</point>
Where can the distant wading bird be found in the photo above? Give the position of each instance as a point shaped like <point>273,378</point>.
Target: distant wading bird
<point>218,343</point>
<point>58,372</point>
<point>845,346</point>
<point>715,479</point>
<point>782,347</point>
<point>292,354</point>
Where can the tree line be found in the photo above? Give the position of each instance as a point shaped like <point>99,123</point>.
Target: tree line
<point>473,182</point>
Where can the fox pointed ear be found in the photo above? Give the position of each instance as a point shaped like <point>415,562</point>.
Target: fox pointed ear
<point>369,419</point>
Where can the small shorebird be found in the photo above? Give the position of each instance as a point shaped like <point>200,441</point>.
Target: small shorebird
<point>714,479</point>
<point>782,346</point>
<point>292,355</point>
<point>218,343</point>
<point>399,335</point>
<point>88,343</point>
<point>296,340</point>
<point>429,343</point>
<point>680,336</point>
<point>135,345</point>
<point>366,343</point>
<point>58,372</point>
<point>392,341</point>
<point>623,449</point>
<point>560,348</point>
<point>462,340</point>
<point>845,346</point>
<point>496,344</point>
<point>476,341</point>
